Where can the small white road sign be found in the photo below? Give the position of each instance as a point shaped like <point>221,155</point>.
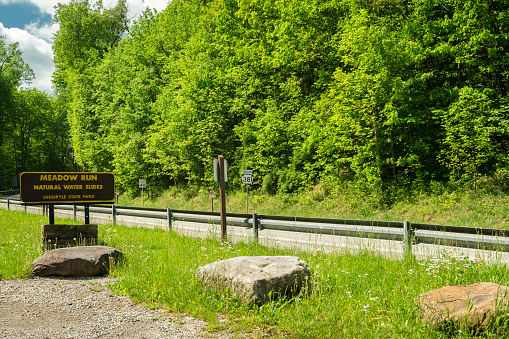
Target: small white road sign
<point>247,179</point>
<point>143,183</point>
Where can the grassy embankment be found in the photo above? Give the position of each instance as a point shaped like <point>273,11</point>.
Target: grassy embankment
<point>459,208</point>
<point>350,296</point>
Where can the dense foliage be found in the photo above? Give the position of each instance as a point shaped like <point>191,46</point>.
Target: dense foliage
<point>375,93</point>
<point>34,133</point>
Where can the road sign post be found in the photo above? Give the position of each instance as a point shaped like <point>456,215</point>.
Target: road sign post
<point>143,185</point>
<point>247,179</point>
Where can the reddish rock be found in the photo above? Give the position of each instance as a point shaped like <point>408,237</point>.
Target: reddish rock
<point>81,261</point>
<point>474,306</point>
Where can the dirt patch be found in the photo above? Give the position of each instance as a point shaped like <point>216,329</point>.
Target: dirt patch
<point>55,307</point>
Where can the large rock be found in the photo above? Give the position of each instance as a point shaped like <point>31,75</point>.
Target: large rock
<point>253,279</point>
<point>474,306</point>
<point>81,261</point>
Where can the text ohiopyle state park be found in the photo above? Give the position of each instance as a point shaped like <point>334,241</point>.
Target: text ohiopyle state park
<point>67,187</point>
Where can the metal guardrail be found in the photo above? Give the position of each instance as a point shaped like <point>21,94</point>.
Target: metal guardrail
<point>408,233</point>
<point>11,192</point>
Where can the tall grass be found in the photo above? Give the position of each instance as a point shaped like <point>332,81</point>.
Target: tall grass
<point>459,208</point>
<point>348,296</point>
<point>20,240</point>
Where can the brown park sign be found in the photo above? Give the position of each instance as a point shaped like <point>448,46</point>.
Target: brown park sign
<point>67,187</point>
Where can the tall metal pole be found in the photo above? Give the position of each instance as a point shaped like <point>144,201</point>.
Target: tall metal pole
<point>222,196</point>
<point>247,198</point>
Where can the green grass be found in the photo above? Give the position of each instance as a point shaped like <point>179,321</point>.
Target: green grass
<point>20,236</point>
<point>348,296</point>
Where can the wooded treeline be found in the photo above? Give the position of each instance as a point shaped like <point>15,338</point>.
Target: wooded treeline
<point>379,93</point>
<point>34,133</point>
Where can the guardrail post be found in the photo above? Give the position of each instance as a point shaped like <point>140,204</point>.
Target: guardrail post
<point>168,217</point>
<point>8,203</point>
<point>114,215</point>
<point>74,210</point>
<point>255,226</point>
<point>407,238</point>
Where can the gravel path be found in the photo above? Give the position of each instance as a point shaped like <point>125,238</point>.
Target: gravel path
<point>57,307</point>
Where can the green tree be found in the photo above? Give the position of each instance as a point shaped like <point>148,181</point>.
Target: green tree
<point>300,91</point>
<point>86,35</point>
<point>13,72</point>
<point>471,125</point>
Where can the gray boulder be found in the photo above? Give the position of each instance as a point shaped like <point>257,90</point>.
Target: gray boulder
<point>81,261</point>
<point>257,279</point>
<point>473,306</point>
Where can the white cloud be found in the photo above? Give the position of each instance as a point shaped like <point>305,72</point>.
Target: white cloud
<point>44,32</point>
<point>136,7</point>
<point>46,6</point>
<point>36,40</point>
<point>36,52</point>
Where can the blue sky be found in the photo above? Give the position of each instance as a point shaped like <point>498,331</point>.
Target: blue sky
<point>17,15</point>
<point>28,22</point>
